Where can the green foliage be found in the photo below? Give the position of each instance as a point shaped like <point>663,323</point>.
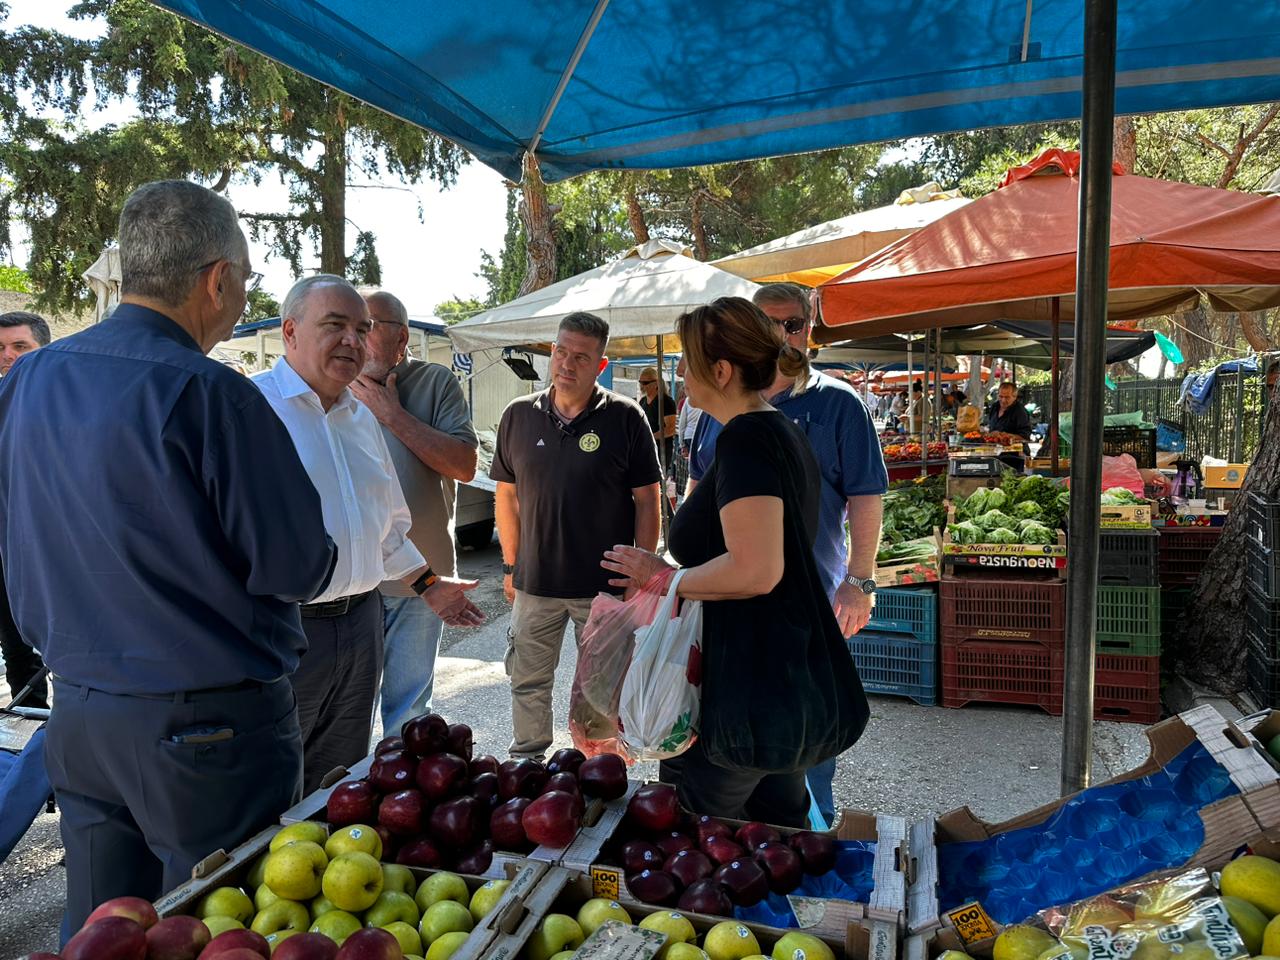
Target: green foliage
<point>14,279</point>
<point>363,267</point>
<point>456,310</point>
<point>504,272</point>
<point>261,306</point>
<point>1193,146</point>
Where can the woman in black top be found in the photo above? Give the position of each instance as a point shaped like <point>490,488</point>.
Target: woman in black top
<point>779,689</point>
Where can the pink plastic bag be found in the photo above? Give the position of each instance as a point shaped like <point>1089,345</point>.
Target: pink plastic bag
<point>603,658</point>
<point>1122,471</point>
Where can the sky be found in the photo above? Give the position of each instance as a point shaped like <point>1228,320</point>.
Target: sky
<point>424,262</point>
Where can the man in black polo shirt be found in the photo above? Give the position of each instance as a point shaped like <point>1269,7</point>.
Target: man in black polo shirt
<point>577,472</point>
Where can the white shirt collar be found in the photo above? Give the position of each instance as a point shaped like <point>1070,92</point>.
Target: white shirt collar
<point>291,386</point>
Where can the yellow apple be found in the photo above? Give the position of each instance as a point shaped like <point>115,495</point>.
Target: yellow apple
<point>281,915</point>
<point>447,916</point>
<point>219,925</point>
<point>311,831</point>
<point>352,881</point>
<point>405,935</point>
<point>337,925</point>
<point>486,897</point>
<point>356,838</point>
<point>294,871</point>
<point>675,925</point>
<point>555,933</point>
<point>443,886</point>
<point>445,946</point>
<point>597,910</point>
<point>225,902</point>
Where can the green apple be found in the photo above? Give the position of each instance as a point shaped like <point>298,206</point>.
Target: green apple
<point>685,951</point>
<point>730,940</point>
<point>263,897</point>
<point>447,916</point>
<point>564,955</point>
<point>485,898</point>
<point>675,925</point>
<point>219,925</point>
<point>392,905</point>
<point>801,946</point>
<point>280,936</point>
<point>445,947</point>
<point>352,881</point>
<point>320,906</point>
<point>444,886</point>
<point>555,933</point>
<point>256,873</point>
<point>356,838</point>
<point>226,902</point>
<point>281,915</point>
<point>311,831</point>
<point>294,871</point>
<point>405,934</point>
<point>396,877</point>
<point>337,925</point>
<point>596,911</point>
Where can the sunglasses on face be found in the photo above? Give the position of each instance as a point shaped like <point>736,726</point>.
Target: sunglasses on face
<point>647,383</point>
<point>792,325</point>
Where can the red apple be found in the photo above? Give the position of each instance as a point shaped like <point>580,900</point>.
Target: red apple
<point>484,786</point>
<point>817,851</point>
<point>689,866</point>
<point>654,806</point>
<point>506,826</point>
<point>604,776</point>
<point>653,886</point>
<point>460,740</point>
<point>476,860</point>
<point>177,938</point>
<point>707,827</point>
<point>722,850</point>
<point>392,771</point>
<point>426,735</point>
<point>230,940</point>
<point>566,760</point>
<point>745,880</point>
<point>562,781</point>
<point>353,802</point>
<point>387,744</point>
<point>420,853</point>
<point>706,896</point>
<point>751,835</point>
<point>237,953</point>
<point>389,840</point>
<point>441,776</point>
<point>111,938</point>
<point>458,824</point>
<point>305,946</point>
<point>484,764</point>
<point>402,813</point>
<point>640,855</point>
<point>552,819</point>
<point>136,909</point>
<point>674,842</point>
<point>521,778</point>
<point>781,865</point>
<point>370,943</point>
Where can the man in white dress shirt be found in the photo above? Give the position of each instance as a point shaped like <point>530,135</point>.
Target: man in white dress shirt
<point>324,326</point>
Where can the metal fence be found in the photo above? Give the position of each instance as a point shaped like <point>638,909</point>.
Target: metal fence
<point>1230,429</point>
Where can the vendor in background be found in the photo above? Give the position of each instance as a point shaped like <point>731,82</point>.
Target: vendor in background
<point>663,426</point>
<point>1008,415</point>
<point>920,408</point>
<point>780,692</point>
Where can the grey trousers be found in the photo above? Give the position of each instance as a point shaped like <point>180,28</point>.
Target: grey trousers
<point>533,653</point>
<point>337,683</point>
<point>139,809</point>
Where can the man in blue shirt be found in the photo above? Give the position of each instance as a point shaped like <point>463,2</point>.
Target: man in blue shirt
<point>166,531</point>
<point>854,480</point>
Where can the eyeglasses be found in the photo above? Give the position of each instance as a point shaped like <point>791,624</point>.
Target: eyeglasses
<point>252,279</point>
<point>792,325</point>
<point>647,383</point>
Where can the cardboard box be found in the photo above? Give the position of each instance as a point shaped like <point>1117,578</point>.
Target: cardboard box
<point>1255,809</point>
<point>1127,516</point>
<point>1227,477</point>
<point>914,572</point>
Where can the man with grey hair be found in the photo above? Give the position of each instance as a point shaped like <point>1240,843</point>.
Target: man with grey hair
<point>325,325</point>
<point>170,619</point>
<point>577,473</point>
<point>427,427</point>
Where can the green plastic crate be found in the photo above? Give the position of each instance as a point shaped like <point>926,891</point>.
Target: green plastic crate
<point>1129,621</point>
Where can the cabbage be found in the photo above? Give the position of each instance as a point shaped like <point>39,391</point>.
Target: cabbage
<point>1002,535</point>
<point>1120,495</point>
<point>997,499</point>
<point>1028,510</point>
<point>976,504</point>
<point>996,518</point>
<point>1032,532</point>
<point>965,532</point>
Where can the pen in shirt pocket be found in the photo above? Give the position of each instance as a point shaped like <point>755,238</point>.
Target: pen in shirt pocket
<point>204,735</point>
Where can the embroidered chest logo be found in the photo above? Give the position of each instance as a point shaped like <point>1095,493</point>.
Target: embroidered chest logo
<point>589,442</point>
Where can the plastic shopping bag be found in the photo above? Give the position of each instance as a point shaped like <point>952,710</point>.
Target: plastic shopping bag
<point>604,655</point>
<point>661,695</point>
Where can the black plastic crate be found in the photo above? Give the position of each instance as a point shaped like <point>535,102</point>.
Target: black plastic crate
<point>1262,675</point>
<point>1129,558</point>
<point>1138,442</point>
<point>1262,521</point>
<point>1172,604</point>
<point>1262,571</point>
<point>1262,621</point>
<point>1184,552</point>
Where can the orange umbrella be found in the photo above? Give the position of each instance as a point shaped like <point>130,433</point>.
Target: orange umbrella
<point>1007,255</point>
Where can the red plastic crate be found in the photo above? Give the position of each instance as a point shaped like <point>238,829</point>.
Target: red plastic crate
<point>1183,552</point>
<point>1127,689</point>
<point>976,608</point>
<point>995,671</point>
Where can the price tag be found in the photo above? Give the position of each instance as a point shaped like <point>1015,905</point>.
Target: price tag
<point>972,923</point>
<point>605,883</point>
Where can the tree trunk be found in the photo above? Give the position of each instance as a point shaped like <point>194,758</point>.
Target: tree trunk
<point>333,205</point>
<point>1125,151</point>
<point>1254,327</point>
<point>537,215</point>
<point>1190,333</point>
<point>1210,646</point>
<point>635,212</point>
<point>696,225</point>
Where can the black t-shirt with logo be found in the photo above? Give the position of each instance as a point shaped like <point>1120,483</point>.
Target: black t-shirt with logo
<point>574,484</point>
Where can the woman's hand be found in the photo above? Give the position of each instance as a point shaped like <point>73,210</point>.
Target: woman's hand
<point>635,566</point>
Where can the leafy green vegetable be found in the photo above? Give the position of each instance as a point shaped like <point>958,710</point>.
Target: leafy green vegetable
<point>1028,510</point>
<point>996,518</point>
<point>997,499</point>
<point>966,531</point>
<point>912,509</point>
<point>1121,495</point>
<point>1002,535</point>
<point>1045,492</point>
<point>1032,532</point>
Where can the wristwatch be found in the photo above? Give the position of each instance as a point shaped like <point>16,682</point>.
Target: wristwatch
<point>424,582</point>
<point>867,585</point>
<point>508,569</point>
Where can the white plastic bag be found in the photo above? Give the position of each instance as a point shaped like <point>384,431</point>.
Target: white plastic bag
<point>661,695</point>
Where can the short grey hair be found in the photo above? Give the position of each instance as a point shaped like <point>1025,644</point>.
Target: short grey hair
<point>588,324</point>
<point>169,230</point>
<point>21,318</point>
<point>392,303</point>
<point>783,294</point>
<point>299,292</point>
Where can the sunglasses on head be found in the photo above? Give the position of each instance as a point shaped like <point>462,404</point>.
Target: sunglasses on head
<point>792,325</point>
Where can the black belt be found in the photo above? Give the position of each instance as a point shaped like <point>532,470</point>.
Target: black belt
<point>334,608</point>
<point>244,686</point>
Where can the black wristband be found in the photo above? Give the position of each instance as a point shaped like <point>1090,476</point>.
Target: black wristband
<point>424,582</point>
<point>508,569</point>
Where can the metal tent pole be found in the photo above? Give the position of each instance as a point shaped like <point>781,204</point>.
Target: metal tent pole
<point>1056,316</point>
<point>1092,261</point>
<point>662,447</point>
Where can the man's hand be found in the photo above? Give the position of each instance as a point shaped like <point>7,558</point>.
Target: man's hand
<point>448,598</point>
<point>852,609</point>
<point>381,398</point>
<point>508,588</point>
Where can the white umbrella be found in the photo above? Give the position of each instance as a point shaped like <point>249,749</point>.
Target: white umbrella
<point>816,254</point>
<point>640,295</point>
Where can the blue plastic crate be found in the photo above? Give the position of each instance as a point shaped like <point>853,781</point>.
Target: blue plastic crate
<point>912,610</point>
<point>896,664</point>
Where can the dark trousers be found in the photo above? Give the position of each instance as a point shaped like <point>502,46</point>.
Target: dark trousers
<point>337,683</point>
<point>139,809</point>
<point>734,794</point>
<point>21,662</point>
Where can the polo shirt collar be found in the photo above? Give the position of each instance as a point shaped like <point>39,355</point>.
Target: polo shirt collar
<point>293,386</point>
<point>599,398</point>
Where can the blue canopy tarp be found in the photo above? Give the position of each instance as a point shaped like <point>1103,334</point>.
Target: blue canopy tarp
<point>593,84</point>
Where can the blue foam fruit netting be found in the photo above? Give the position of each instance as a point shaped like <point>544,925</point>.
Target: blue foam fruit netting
<point>851,879</point>
<point>1099,839</point>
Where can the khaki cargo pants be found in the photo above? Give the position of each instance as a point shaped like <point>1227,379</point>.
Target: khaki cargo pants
<point>534,640</point>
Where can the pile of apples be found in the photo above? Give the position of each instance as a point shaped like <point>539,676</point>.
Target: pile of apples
<point>704,865</point>
<point>435,806</point>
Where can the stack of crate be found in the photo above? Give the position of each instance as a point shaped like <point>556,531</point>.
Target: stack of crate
<point>1127,683</point>
<point>897,651</point>
<point>1262,601</point>
<point>1183,554</point>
